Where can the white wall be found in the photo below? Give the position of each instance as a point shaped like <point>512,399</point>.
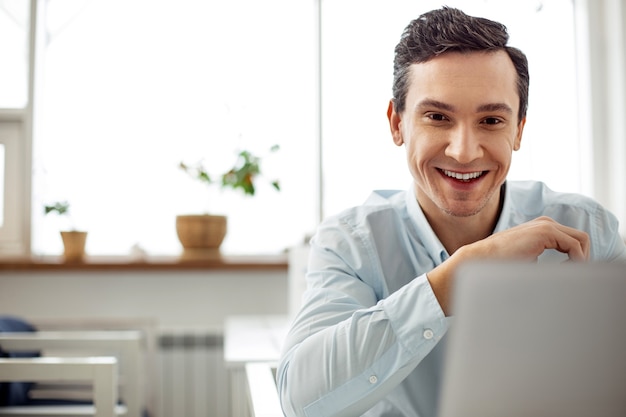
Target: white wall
<point>174,299</point>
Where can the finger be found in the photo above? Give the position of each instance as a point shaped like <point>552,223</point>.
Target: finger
<point>581,244</point>
<point>576,245</point>
<point>567,239</point>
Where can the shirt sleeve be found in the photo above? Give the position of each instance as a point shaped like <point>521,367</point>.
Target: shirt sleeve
<point>347,348</point>
<point>609,244</point>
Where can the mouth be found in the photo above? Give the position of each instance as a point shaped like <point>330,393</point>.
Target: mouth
<point>463,176</point>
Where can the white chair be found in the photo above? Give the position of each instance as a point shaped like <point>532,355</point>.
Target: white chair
<point>124,346</point>
<point>100,372</point>
<point>262,391</point>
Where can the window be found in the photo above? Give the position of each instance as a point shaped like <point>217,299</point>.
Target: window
<point>131,88</point>
<point>14,16</point>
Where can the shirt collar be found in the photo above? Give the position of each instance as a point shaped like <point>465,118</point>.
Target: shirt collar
<point>429,239</point>
<point>426,235</point>
<point>504,221</point>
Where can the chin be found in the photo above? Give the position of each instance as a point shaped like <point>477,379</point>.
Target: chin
<point>461,213</point>
<point>464,209</point>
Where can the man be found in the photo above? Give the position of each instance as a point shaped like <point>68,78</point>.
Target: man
<point>368,338</point>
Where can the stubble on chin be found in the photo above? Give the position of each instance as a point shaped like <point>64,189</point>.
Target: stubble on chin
<point>461,205</point>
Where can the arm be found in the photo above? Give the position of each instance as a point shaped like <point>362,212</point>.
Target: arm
<point>524,242</point>
<point>351,344</point>
<point>348,347</point>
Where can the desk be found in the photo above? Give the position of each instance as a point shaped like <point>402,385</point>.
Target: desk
<point>256,338</point>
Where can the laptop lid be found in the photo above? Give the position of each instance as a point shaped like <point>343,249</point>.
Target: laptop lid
<point>537,339</point>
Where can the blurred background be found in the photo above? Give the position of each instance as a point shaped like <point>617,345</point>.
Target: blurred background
<point>101,100</point>
<point>122,91</point>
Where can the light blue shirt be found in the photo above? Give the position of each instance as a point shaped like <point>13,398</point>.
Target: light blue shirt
<point>367,340</point>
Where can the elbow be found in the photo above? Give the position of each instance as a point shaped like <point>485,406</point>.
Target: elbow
<point>287,392</point>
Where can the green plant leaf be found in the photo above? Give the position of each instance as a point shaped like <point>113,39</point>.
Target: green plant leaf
<point>242,175</point>
<point>60,207</point>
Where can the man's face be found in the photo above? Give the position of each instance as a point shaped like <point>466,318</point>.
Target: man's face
<point>460,127</point>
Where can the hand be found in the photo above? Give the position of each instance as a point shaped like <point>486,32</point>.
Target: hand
<point>527,241</point>
<point>524,242</point>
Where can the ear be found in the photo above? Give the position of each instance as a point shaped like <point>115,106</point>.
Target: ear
<point>395,123</point>
<point>518,136</point>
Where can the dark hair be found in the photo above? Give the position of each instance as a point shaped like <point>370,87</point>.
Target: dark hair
<point>450,30</point>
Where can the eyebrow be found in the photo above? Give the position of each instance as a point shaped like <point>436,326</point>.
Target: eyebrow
<point>429,102</point>
<point>495,107</point>
<point>489,107</point>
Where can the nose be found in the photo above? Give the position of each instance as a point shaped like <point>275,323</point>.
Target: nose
<point>463,145</point>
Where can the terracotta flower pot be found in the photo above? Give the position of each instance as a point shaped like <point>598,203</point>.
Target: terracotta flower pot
<point>74,245</point>
<point>200,234</point>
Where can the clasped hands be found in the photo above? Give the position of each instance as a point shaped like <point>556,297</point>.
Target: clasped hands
<point>528,240</point>
<point>524,242</point>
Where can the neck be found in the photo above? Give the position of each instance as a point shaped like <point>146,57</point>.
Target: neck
<point>455,232</point>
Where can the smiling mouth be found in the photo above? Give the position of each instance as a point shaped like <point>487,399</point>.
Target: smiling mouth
<point>463,176</point>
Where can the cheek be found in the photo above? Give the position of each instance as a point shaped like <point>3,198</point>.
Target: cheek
<point>418,154</point>
<point>425,143</point>
<point>502,151</point>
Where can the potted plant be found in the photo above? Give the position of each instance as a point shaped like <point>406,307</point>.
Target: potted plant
<point>202,234</point>
<point>73,239</point>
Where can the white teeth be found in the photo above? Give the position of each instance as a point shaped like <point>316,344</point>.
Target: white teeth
<point>463,177</point>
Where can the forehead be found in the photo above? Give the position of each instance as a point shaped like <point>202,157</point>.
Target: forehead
<point>465,79</point>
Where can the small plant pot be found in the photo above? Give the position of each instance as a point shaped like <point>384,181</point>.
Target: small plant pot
<point>74,245</point>
<point>200,235</point>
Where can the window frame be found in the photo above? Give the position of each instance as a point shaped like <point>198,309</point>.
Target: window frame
<point>15,229</point>
<point>16,133</point>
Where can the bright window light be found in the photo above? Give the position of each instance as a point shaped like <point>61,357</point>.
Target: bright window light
<point>14,52</point>
<point>131,88</point>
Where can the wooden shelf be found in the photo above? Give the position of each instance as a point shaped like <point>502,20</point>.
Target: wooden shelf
<point>161,263</point>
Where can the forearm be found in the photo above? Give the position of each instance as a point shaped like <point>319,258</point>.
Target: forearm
<point>352,364</point>
<point>322,367</point>
<point>441,278</point>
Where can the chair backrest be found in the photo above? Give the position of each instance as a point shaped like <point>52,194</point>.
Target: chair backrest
<point>15,392</point>
<point>100,372</point>
<point>124,345</point>
<point>150,375</point>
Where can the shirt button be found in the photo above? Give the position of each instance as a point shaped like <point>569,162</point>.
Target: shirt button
<point>428,334</point>
<point>373,379</point>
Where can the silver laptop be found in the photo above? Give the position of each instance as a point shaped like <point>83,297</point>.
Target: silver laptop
<point>538,340</point>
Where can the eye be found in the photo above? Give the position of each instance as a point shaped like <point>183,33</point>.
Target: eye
<point>491,121</point>
<point>437,117</point>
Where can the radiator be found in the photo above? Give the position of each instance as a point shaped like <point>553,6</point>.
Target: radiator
<point>193,380</point>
